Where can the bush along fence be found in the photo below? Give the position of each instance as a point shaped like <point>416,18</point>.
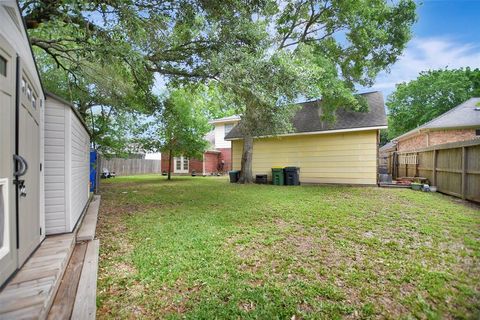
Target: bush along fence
<point>126,167</point>
<point>454,168</point>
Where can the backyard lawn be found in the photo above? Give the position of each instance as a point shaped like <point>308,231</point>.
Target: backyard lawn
<point>201,248</point>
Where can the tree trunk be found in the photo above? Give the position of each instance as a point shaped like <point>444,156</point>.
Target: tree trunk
<point>169,165</point>
<point>246,175</point>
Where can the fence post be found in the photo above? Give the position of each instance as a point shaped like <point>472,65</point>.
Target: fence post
<point>464,171</point>
<point>434,167</point>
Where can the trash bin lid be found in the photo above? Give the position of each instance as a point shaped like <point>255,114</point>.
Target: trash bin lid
<point>234,171</point>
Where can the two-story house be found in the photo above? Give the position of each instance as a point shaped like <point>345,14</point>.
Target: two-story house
<point>217,158</point>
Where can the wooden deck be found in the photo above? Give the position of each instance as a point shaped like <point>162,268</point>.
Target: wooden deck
<point>59,280</point>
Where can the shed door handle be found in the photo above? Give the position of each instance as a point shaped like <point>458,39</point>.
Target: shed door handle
<point>23,166</point>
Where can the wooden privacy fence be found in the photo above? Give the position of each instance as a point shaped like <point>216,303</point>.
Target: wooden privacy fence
<point>126,167</point>
<point>454,168</point>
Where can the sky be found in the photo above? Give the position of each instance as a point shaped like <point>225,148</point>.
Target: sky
<point>447,34</point>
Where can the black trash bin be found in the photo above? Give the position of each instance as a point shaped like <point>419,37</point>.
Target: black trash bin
<point>261,179</point>
<point>292,176</point>
<point>234,176</point>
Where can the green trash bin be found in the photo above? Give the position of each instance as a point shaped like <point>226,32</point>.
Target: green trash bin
<point>234,176</point>
<point>277,176</point>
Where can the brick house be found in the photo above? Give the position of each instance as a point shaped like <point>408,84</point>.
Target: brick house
<point>458,124</point>
<point>217,158</point>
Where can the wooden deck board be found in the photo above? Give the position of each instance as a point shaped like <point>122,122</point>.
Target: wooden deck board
<point>89,223</point>
<point>63,304</point>
<point>59,280</point>
<point>30,293</point>
<point>85,300</point>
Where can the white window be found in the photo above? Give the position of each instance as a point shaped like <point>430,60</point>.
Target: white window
<point>4,217</point>
<point>3,66</point>
<point>181,164</point>
<point>34,101</point>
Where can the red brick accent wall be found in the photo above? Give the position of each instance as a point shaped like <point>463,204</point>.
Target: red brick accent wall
<point>195,164</point>
<point>211,162</point>
<point>432,138</point>
<point>164,164</point>
<point>226,155</point>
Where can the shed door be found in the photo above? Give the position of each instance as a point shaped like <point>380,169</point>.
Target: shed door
<point>8,243</point>
<point>29,150</point>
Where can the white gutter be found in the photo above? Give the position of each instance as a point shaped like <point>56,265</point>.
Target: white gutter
<point>223,120</point>
<point>316,132</point>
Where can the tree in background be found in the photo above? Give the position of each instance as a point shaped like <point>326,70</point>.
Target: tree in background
<point>262,55</point>
<point>178,127</point>
<point>104,56</point>
<point>433,93</point>
<point>306,49</point>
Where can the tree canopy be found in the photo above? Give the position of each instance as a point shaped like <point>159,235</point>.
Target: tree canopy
<point>433,93</point>
<point>261,55</point>
<point>178,127</point>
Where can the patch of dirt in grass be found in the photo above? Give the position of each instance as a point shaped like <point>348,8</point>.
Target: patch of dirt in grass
<point>246,306</point>
<point>312,249</point>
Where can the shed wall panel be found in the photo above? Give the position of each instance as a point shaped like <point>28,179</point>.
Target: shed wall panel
<point>80,169</point>
<point>54,167</point>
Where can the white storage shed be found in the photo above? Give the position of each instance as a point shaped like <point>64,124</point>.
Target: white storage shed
<point>67,165</point>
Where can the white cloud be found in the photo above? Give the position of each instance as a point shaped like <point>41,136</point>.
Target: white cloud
<point>428,53</point>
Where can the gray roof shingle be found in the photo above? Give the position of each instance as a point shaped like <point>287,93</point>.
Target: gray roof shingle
<point>464,115</point>
<point>308,117</point>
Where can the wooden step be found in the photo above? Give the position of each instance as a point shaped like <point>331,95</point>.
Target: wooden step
<point>31,292</point>
<point>85,300</point>
<point>63,304</point>
<point>89,223</point>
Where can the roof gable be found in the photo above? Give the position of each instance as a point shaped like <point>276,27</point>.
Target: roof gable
<point>308,118</point>
<point>462,116</point>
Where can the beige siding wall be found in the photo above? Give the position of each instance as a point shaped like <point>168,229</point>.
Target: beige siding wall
<point>349,158</point>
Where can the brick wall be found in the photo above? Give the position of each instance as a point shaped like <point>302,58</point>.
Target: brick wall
<point>428,139</point>
<point>195,164</point>
<point>164,164</point>
<point>226,155</point>
<point>211,162</point>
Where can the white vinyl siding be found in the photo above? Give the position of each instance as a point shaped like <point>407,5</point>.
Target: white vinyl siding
<point>220,141</point>
<point>55,218</point>
<point>67,167</point>
<point>80,169</point>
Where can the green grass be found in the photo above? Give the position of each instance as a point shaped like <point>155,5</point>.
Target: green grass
<point>201,248</point>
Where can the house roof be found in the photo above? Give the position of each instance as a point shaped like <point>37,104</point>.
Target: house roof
<point>388,146</point>
<point>463,116</point>
<point>233,118</point>
<point>308,120</point>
